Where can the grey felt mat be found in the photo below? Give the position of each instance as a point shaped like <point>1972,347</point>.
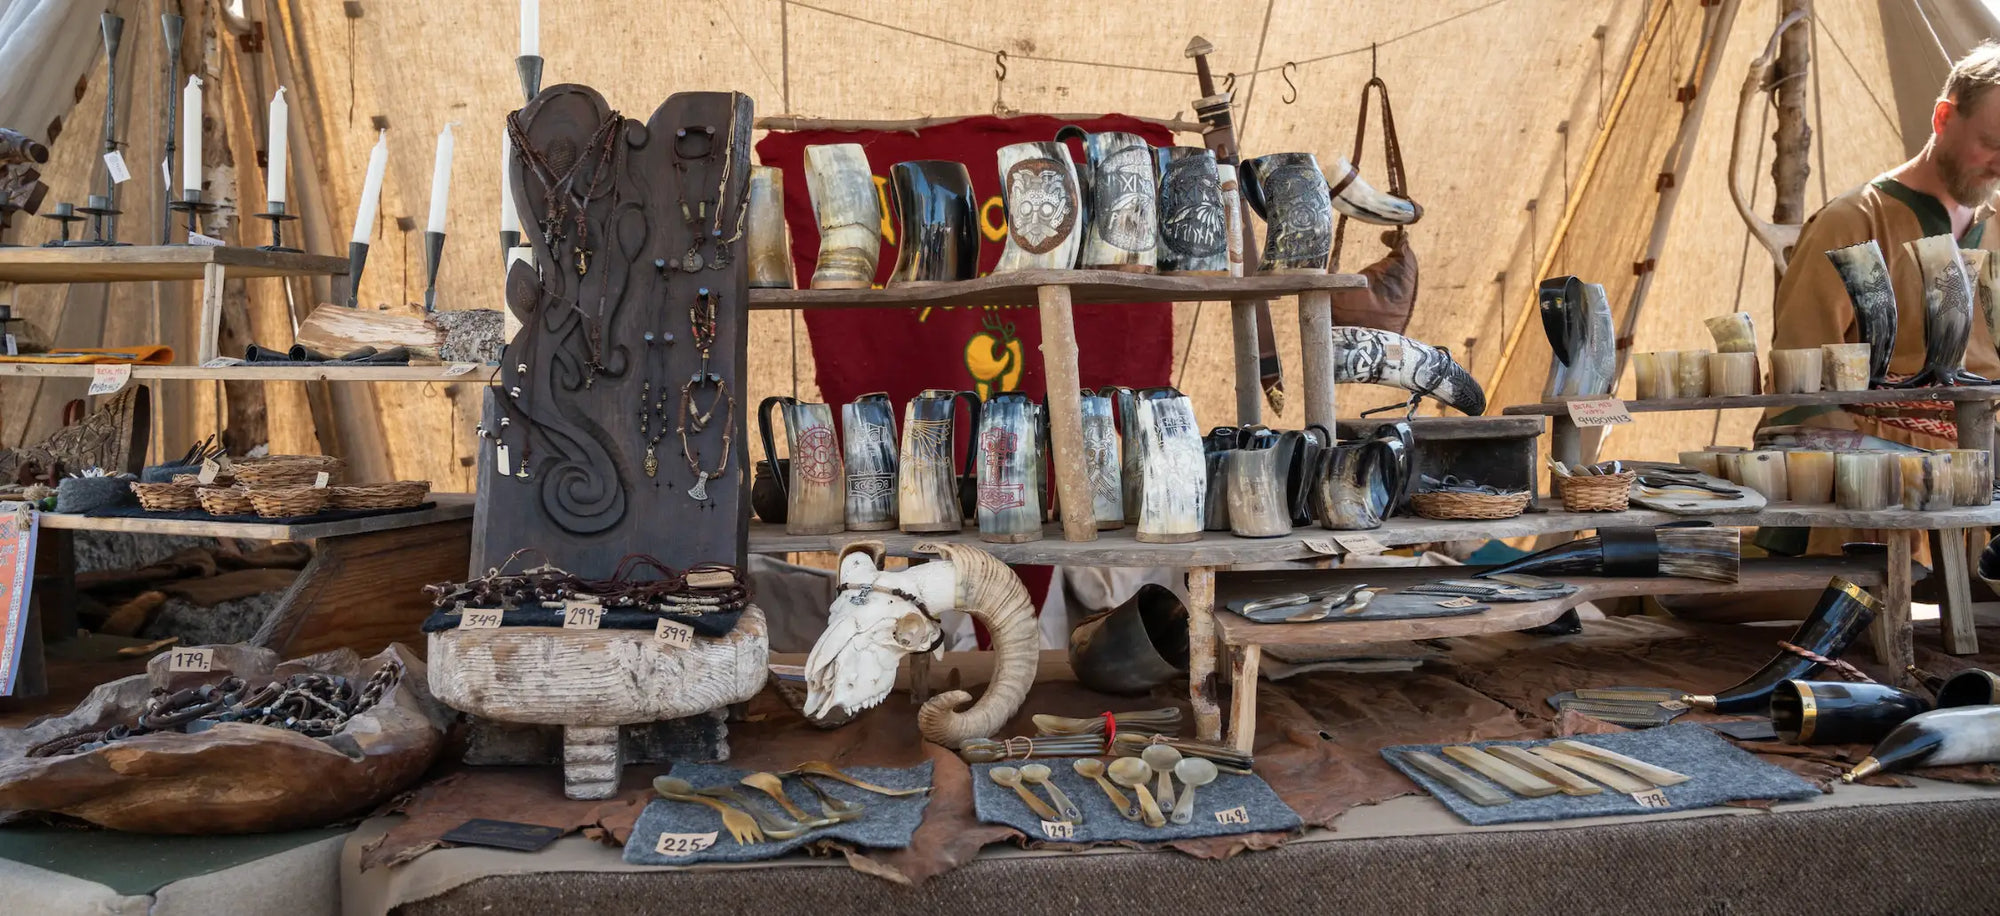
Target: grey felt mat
<point>1396,606</point>
<point>1719,772</point>
<point>888,823</point>
<point>997,804</point>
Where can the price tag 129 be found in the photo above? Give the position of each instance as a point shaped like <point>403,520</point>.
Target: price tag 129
<point>683,844</point>
<point>1598,412</point>
<point>582,615</point>
<point>199,660</point>
<point>678,635</point>
<point>478,620</point>
<point>108,379</point>
<point>1059,830</point>
<point>1652,798</point>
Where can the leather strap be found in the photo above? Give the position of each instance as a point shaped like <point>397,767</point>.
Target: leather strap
<point>1630,552</point>
<point>1393,152</point>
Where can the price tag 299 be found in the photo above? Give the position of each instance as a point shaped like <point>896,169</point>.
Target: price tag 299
<point>199,660</point>
<point>478,620</point>
<point>1059,830</point>
<point>1652,798</point>
<point>582,615</point>
<point>1598,412</point>
<point>1236,815</point>
<point>678,635</point>
<point>683,844</point>
<point>107,379</point>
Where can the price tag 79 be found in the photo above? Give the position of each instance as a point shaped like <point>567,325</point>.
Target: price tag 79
<point>1652,798</point>
<point>1059,830</point>
<point>1598,412</point>
<point>683,844</point>
<point>199,660</point>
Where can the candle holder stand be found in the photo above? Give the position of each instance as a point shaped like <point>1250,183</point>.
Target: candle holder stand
<point>277,217</point>
<point>192,205</point>
<point>530,69</point>
<point>101,212</point>
<point>433,254</point>
<point>357,261</point>
<point>112,26</point>
<point>171,29</point>
<point>509,241</point>
<point>64,216</point>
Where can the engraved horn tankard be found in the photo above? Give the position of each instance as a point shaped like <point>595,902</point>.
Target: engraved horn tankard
<point>868,425</point>
<point>1102,462</point>
<point>816,487</point>
<point>939,220</point>
<point>849,211</point>
<point>1360,482</point>
<point>1174,483</point>
<point>1044,207</point>
<point>1290,193</point>
<point>1194,226</point>
<point>931,496</point>
<point>1011,474</point>
<point>1121,201</point>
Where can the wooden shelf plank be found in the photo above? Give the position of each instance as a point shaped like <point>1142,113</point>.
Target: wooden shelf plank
<point>1223,550</point>
<point>450,507</point>
<point>478,374</point>
<point>1818,398</point>
<point>1085,286</point>
<point>157,262</point>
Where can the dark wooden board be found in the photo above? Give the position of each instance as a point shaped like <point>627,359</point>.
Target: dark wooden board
<point>588,502</point>
<point>1817,398</point>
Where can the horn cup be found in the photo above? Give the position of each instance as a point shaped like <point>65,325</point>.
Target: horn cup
<point>1133,647</point>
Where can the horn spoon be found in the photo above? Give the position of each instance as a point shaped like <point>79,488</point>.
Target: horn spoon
<point>1132,773</point>
<point>1038,774</point>
<point>1161,759</point>
<point>828,770</point>
<point>774,826</point>
<point>1657,775</point>
<point>1192,771</point>
<point>1093,769</point>
<point>1011,778</point>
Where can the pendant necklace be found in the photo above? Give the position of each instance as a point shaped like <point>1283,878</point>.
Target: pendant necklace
<point>702,316</point>
<point>652,408</point>
<point>698,144</point>
<point>557,168</point>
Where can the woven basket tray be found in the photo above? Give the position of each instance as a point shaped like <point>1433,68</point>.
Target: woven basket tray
<point>223,479</point>
<point>401,494</point>
<point>1602,493</point>
<point>166,497</point>
<point>1469,505</point>
<point>285,502</point>
<point>287,470</point>
<point>226,500</point>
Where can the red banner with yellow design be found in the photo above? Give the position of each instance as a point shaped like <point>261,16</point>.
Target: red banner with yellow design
<point>984,349</point>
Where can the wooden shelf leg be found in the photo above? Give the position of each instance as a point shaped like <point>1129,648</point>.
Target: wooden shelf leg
<point>212,279</point>
<point>1243,700</point>
<point>1201,654</point>
<point>1958,549</point>
<point>1891,629</point>
<point>1065,413</point>
<point>1316,344</point>
<point>1249,374</point>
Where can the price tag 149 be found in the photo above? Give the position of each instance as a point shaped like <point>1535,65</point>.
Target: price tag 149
<point>582,615</point>
<point>109,379</point>
<point>1598,412</point>
<point>1236,815</point>
<point>1059,830</point>
<point>678,635</point>
<point>1652,798</point>
<point>683,844</point>
<point>198,660</point>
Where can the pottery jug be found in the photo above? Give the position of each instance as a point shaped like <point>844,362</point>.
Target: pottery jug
<point>1044,207</point>
<point>850,216</point>
<point>939,222</point>
<point>1010,463</point>
<point>1359,482</point>
<point>1121,201</point>
<point>767,495</point>
<point>816,487</point>
<point>1102,465</point>
<point>929,498</point>
<point>1175,488</point>
<point>1290,193</point>
<point>1194,227</point>
<point>868,425</point>
<point>769,241</point>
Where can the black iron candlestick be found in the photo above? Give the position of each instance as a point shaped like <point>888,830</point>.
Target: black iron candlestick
<point>113,28</point>
<point>192,204</point>
<point>530,68</point>
<point>277,217</point>
<point>171,28</point>
<point>64,215</point>
<point>357,261</point>
<point>509,240</point>
<point>101,213</point>
<point>433,254</point>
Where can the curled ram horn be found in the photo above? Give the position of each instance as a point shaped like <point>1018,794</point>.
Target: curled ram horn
<point>991,593</point>
<point>1379,357</point>
<point>1357,199</point>
<point>876,618</point>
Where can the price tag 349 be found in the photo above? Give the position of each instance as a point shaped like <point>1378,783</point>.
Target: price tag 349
<point>1652,798</point>
<point>478,620</point>
<point>582,615</point>
<point>1598,412</point>
<point>198,660</point>
<point>1059,830</point>
<point>683,844</point>
<point>678,635</point>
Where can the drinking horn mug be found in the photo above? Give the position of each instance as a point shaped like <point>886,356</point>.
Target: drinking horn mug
<point>939,220</point>
<point>1175,490</point>
<point>869,425</point>
<point>1010,469</point>
<point>1313,441</point>
<point>1259,504</point>
<point>1194,227</point>
<point>816,488</point>
<point>1132,445</point>
<point>850,216</point>
<point>1102,467</point>
<point>1290,193</point>
<point>1215,450</point>
<point>1360,482</point>
<point>770,242</point>
<point>1121,225</point>
<point>930,497</point>
<point>1044,207</point>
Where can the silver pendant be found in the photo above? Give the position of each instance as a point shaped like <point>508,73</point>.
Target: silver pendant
<point>699,492</point>
<point>692,262</point>
<point>652,464</point>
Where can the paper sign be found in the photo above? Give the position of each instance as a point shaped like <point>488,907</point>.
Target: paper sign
<point>196,238</point>
<point>191,660</point>
<point>320,481</point>
<point>1598,412</point>
<point>678,635</point>
<point>712,578</point>
<point>108,379</point>
<point>1652,798</point>
<point>222,362</point>
<point>582,615</point>
<point>114,162</point>
<point>1236,815</point>
<point>1060,830</point>
<point>1322,547</point>
<point>209,471</point>
<point>1359,543</point>
<point>683,844</point>
<point>13,346</point>
<point>166,173</point>
<point>478,620</point>
<point>458,369</point>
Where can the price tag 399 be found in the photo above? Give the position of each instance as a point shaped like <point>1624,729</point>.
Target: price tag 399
<point>683,844</point>
<point>678,635</point>
<point>1236,815</point>
<point>478,620</point>
<point>1060,830</point>
<point>1598,412</point>
<point>198,660</point>
<point>1652,798</point>
<point>582,615</point>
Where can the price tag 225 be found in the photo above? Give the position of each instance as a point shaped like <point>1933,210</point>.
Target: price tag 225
<point>1652,798</point>
<point>1059,830</point>
<point>580,615</point>
<point>1598,412</point>
<point>683,844</point>
<point>198,660</point>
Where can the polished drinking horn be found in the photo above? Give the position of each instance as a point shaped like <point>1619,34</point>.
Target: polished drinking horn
<point>1948,306</point>
<point>1941,737</point>
<point>1928,484</point>
<point>1971,687</point>
<point>1194,226</point>
<point>1290,193</point>
<point>1845,366</point>
<point>1103,464</point>
<point>1971,476</point>
<point>1121,222</point>
<point>1174,489</point>
<point>1133,647</point>
<point>1560,301</point>
<point>849,210</point>
<point>1843,612</point>
<point>1654,374</point>
<point>1710,554</point>
<point>939,219</point>
<point>1044,207</point>
<point>1733,333</point>
<point>1594,368</point>
<point>1797,371</point>
<point>1732,374</point>
<point>1357,199</point>
<point>1381,358</point>
<point>1232,210</point>
<point>1809,476</point>
<point>1866,276</point>
<point>770,243</point>
<point>1692,380</point>
<point>1986,290</point>
<point>1838,712</point>
<point>1215,450</point>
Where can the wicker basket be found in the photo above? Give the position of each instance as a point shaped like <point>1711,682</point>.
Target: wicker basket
<point>286,502</point>
<point>1600,493</point>
<point>166,497</point>
<point>224,479</point>
<point>1454,505</point>
<point>226,500</point>
<point>399,495</point>
<point>287,470</point>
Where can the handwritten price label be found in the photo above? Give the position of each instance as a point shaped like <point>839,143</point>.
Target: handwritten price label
<point>458,369</point>
<point>114,164</point>
<point>678,635</point>
<point>1652,798</point>
<point>478,620</point>
<point>222,362</point>
<point>324,478</point>
<point>1359,543</point>
<point>683,844</point>
<point>210,469</point>
<point>205,241</point>
<point>1236,815</point>
<point>200,660</point>
<point>1322,546</point>
<point>1461,601</point>
<point>1060,830</point>
<point>108,379</point>
<point>582,615</point>
<point>1598,412</point>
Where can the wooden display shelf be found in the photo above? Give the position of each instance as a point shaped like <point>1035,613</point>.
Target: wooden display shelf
<point>450,507</point>
<point>130,263</point>
<point>478,374</point>
<point>1085,286</point>
<point>1559,408</point>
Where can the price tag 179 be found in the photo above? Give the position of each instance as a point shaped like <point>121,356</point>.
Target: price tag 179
<point>108,379</point>
<point>1236,815</point>
<point>199,660</point>
<point>582,615</point>
<point>683,844</point>
<point>1598,412</point>
<point>478,620</point>
<point>1059,830</point>
<point>1652,798</point>
<point>678,635</point>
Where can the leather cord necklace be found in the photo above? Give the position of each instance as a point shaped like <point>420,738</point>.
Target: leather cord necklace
<point>702,319</point>
<point>707,209</point>
<point>560,201</point>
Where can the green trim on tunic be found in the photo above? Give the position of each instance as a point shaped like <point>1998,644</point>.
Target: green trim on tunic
<point>1931,214</point>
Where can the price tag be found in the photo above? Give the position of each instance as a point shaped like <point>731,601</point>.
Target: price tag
<point>13,346</point>
<point>458,369</point>
<point>1359,543</point>
<point>320,481</point>
<point>1460,601</point>
<point>582,615</point>
<point>108,379</point>
<point>1060,830</point>
<point>1323,547</point>
<point>114,162</point>
<point>1236,815</point>
<point>1598,412</point>
<point>1652,798</point>
<point>196,238</point>
<point>167,174</point>
<point>210,469</point>
<point>500,458</point>
<point>478,620</point>
<point>191,660</point>
<point>678,635</point>
<point>222,362</point>
<point>683,844</point>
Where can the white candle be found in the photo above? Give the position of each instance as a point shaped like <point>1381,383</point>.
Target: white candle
<point>274,176</point>
<point>440,180</point>
<point>510,218</point>
<point>531,28</point>
<point>191,135</point>
<point>371,190</point>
